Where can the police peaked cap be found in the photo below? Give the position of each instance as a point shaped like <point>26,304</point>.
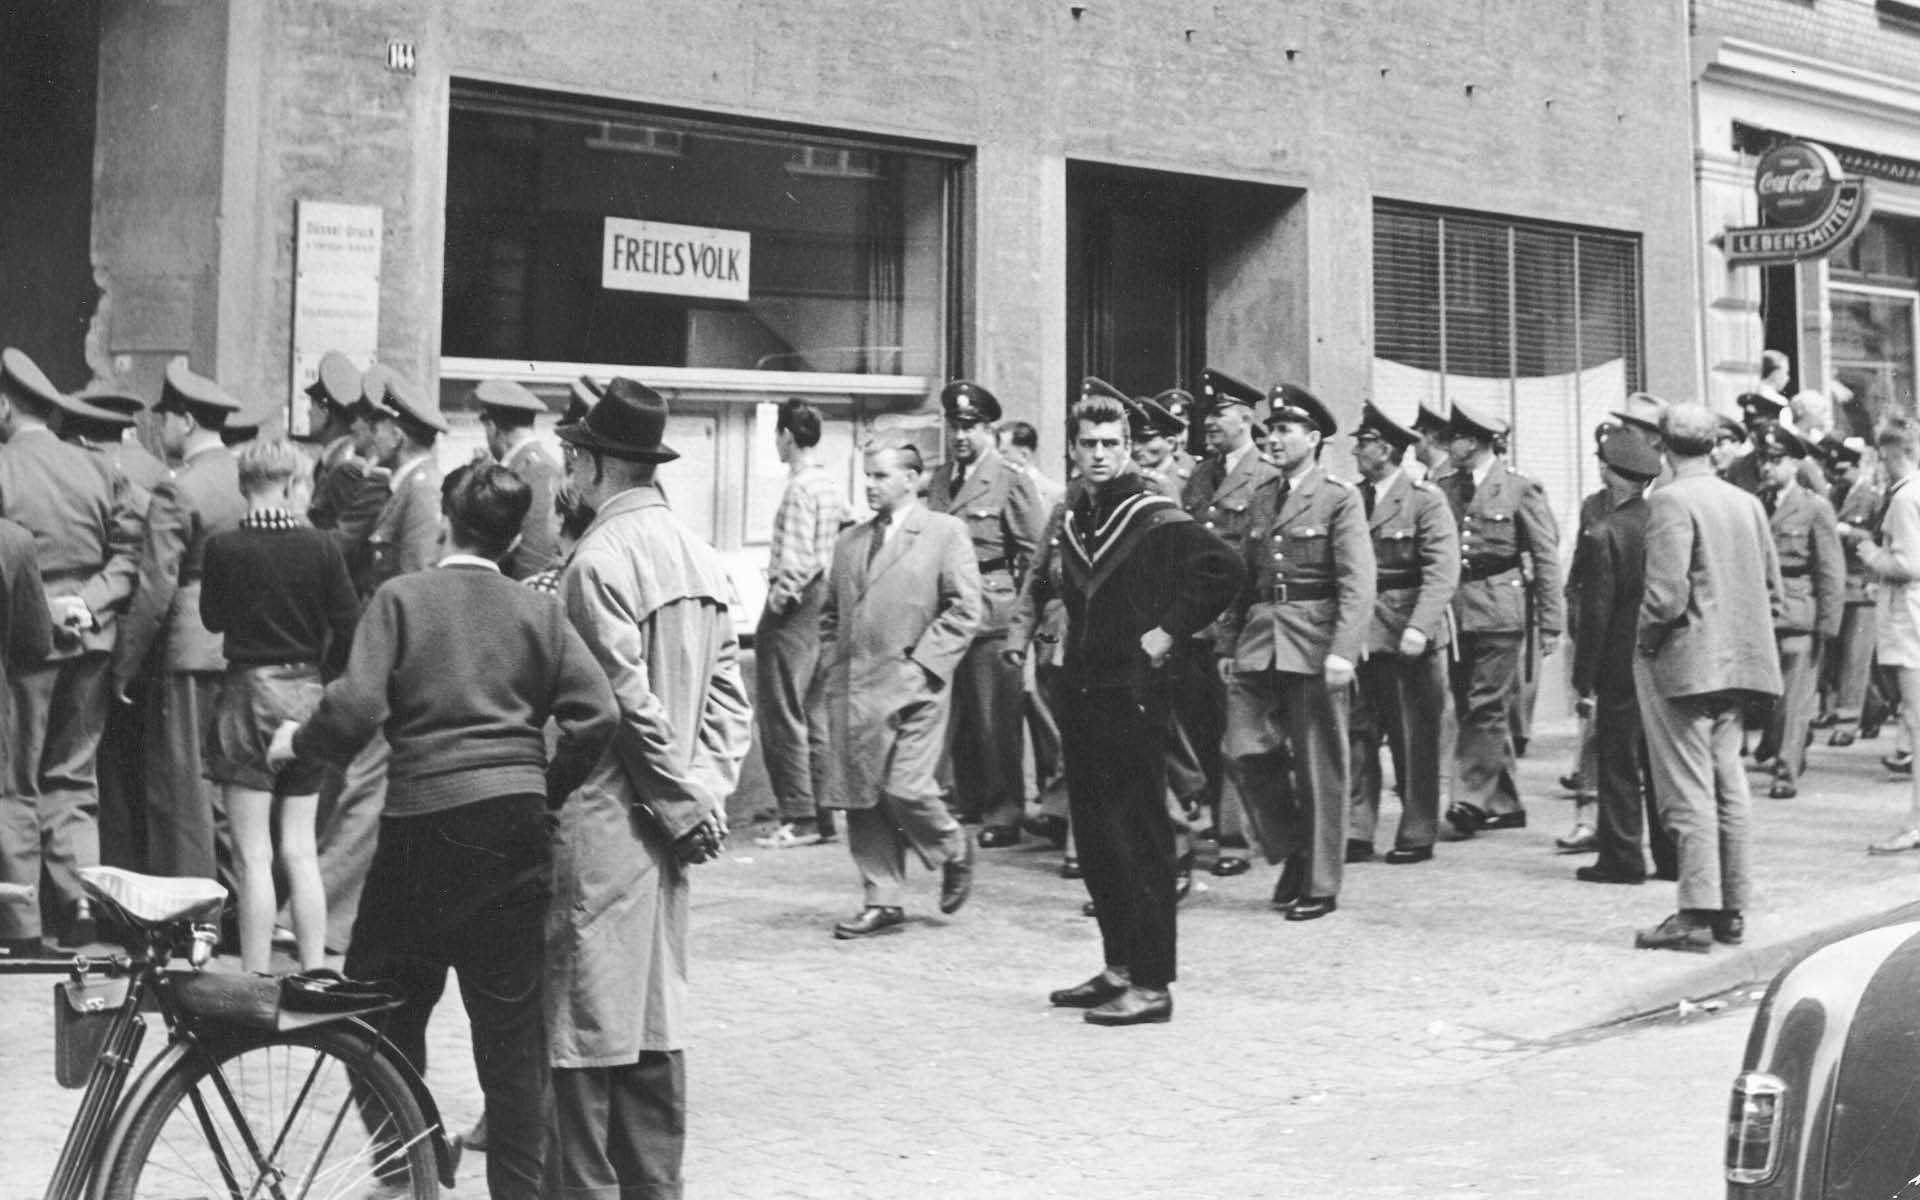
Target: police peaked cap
<point>1156,420</point>
<point>337,382</point>
<point>1841,452</point>
<point>1093,385</point>
<point>252,416</point>
<point>1781,442</point>
<point>1219,389</point>
<point>507,395</point>
<point>22,379</point>
<point>967,403</point>
<point>391,396</point>
<point>1377,426</point>
<point>1481,426</point>
<point>1756,406</point>
<point>1431,420</point>
<point>1630,454</point>
<point>1177,403</point>
<point>187,391</point>
<point>1291,404</point>
<point>1730,428</point>
<point>582,394</point>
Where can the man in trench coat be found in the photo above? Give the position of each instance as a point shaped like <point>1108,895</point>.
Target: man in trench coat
<point>651,602</point>
<point>903,601</point>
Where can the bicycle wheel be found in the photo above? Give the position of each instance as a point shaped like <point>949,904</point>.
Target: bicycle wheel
<point>313,1114</point>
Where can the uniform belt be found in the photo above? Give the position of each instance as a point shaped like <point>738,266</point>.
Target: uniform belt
<point>1800,572</point>
<point>995,564</point>
<point>1393,581</point>
<point>1487,568</point>
<point>1288,593</point>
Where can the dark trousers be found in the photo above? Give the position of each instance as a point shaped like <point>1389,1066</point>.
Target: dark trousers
<point>467,888</point>
<point>1485,678</point>
<point>1625,784</point>
<point>49,817</point>
<point>791,721</point>
<point>984,736</point>
<point>123,795</point>
<point>1403,702</point>
<point>187,832</point>
<point>642,1107</point>
<point>1115,746</point>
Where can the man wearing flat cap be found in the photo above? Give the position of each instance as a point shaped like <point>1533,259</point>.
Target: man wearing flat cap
<point>507,413</point>
<point>1287,654</point>
<point>187,830</point>
<point>1509,588</point>
<point>1813,576</point>
<point>69,501</point>
<point>652,602</point>
<point>1402,697</point>
<point>1612,586</point>
<point>1005,517</point>
<point>1220,496</point>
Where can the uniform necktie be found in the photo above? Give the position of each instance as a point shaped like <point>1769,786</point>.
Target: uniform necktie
<point>878,538</point>
<point>959,478</point>
<point>1366,495</point>
<point>1467,488</point>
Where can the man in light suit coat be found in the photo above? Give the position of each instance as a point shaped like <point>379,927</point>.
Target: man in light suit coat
<point>1705,644</point>
<point>1401,687</point>
<point>903,602</point>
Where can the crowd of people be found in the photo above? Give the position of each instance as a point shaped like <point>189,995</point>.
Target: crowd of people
<point>487,722</point>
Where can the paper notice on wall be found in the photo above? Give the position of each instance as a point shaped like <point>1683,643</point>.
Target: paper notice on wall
<point>336,292</point>
<point>678,260</point>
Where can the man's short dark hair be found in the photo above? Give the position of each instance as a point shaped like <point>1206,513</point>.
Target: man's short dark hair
<point>1095,410</point>
<point>485,505</point>
<point>801,420</point>
<point>1022,435</point>
<point>906,454</point>
<point>1898,433</point>
<point>1690,428</point>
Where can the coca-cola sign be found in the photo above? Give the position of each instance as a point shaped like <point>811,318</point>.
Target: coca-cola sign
<point>1796,182</point>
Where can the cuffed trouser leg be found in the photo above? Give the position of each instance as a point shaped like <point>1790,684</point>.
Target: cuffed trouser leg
<point>1792,716</point>
<point>349,832</point>
<point>1484,680</point>
<point>620,1133</point>
<point>786,648</point>
<point>1620,750</point>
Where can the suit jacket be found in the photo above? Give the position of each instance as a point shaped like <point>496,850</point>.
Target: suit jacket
<point>1317,537</point>
<point>1509,554</point>
<point>1712,589</point>
<point>1612,555</point>
<point>68,499</point>
<point>203,498</point>
<point>891,635</point>
<point>1005,519</point>
<point>1413,535</point>
<point>1861,510</point>
<point>406,538</point>
<point>1813,570</point>
<point>1597,505</point>
<point>539,546</point>
<point>652,602</point>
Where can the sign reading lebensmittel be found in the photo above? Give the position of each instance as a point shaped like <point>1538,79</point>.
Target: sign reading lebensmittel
<point>1808,208</point>
<point>336,292</point>
<point>677,260</point>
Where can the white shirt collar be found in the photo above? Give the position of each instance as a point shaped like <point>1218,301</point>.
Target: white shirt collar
<point>897,518</point>
<point>1387,481</point>
<point>1235,457</point>
<point>469,560</point>
<point>1481,472</point>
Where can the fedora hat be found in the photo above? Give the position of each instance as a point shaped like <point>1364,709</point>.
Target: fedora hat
<point>626,423</point>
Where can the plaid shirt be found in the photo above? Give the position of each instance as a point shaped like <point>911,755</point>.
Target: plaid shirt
<point>804,530</point>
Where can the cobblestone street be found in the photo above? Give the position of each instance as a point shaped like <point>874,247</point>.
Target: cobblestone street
<point>1419,1042</point>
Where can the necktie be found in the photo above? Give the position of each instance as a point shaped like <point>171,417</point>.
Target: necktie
<point>1467,488</point>
<point>959,479</point>
<point>878,538</point>
<point>1366,495</point>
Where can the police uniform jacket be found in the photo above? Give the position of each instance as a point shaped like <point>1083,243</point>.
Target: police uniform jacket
<point>406,537</point>
<point>1179,468</point>
<point>1310,571</point>
<point>203,498</point>
<point>1860,509</point>
<point>1005,518</point>
<point>1506,527</point>
<point>1416,552</point>
<point>1222,502</point>
<point>347,496</point>
<point>539,546</point>
<point>1039,620</point>
<point>1812,570</point>
<point>67,498</point>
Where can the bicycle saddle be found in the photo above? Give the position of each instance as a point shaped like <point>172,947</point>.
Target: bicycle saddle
<point>151,901</point>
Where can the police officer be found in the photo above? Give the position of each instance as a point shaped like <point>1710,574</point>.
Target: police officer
<point>1165,449</point>
<point>1435,430</point>
<point>1005,517</point>
<point>187,831</point>
<point>1288,655</point>
<point>1813,579</point>
<point>1220,496</point>
<point>1859,515</point>
<point>348,491</point>
<point>507,412</point>
<point>1402,684</point>
<point>1509,586</point>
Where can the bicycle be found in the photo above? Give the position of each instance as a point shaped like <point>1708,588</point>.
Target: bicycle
<point>269,1088</point>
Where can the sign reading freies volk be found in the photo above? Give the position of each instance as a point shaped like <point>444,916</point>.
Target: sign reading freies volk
<point>1808,209</point>
<point>679,260</point>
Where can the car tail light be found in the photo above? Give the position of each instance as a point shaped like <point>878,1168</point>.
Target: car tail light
<point>1754,1129</point>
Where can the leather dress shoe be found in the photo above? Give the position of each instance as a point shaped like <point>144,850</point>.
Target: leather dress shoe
<point>997,837</point>
<point>872,920</point>
<point>1400,856</point>
<point>1581,840</point>
<point>1841,737</point>
<point>1824,721</point>
<point>1359,851</point>
<point>1135,1006</point>
<point>1599,874</point>
<point>1310,908</point>
<point>1782,789</point>
<point>1574,783</point>
<point>1676,933</point>
<point>1900,762</point>
<point>1465,818</point>
<point>1070,867</point>
<point>1512,820</point>
<point>1229,865</point>
<point>956,877</point>
<point>1047,827</point>
<point>1729,928</point>
<point>1287,888</point>
<point>1091,994</point>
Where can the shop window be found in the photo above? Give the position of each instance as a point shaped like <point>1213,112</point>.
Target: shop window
<point>582,232</point>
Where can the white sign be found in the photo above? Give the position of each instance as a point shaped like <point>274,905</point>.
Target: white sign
<point>336,292</point>
<point>680,260</point>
